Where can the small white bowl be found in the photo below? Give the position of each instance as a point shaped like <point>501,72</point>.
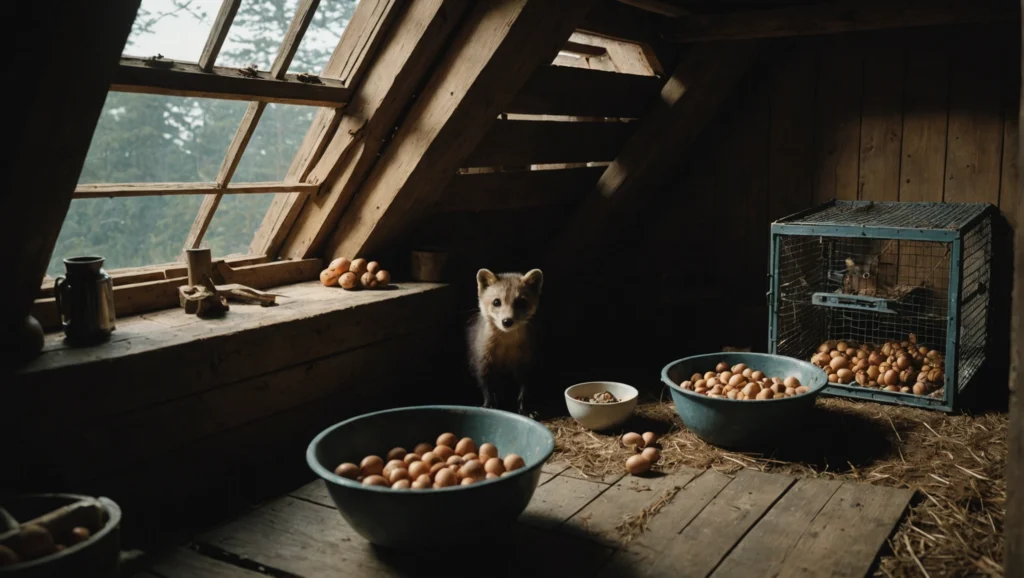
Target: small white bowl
<point>601,416</point>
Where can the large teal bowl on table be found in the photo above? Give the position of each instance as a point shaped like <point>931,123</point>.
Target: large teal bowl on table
<point>738,424</point>
<point>424,519</point>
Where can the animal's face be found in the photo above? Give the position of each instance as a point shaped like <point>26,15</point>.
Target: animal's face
<point>508,300</point>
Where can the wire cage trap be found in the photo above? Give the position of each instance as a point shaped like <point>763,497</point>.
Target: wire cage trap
<point>891,299</point>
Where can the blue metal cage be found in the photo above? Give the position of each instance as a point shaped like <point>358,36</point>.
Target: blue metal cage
<point>908,278</point>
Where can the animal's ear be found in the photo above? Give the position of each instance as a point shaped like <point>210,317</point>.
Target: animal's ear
<point>534,279</point>
<point>484,279</point>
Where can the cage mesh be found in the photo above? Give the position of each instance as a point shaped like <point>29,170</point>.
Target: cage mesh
<point>974,300</point>
<point>901,215</point>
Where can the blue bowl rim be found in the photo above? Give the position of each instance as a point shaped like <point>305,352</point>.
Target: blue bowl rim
<point>636,393</point>
<point>675,387</point>
<point>330,476</point>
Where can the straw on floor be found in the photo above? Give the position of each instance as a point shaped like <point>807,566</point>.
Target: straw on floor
<point>955,462</point>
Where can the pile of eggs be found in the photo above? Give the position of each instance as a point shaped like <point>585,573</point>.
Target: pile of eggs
<point>32,541</point>
<point>448,462</point>
<point>647,454</point>
<point>742,383</point>
<point>355,274</point>
<point>903,367</point>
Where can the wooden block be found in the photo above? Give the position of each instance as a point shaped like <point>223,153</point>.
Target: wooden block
<point>630,495</point>
<point>762,551</point>
<point>847,533</point>
<point>557,500</point>
<point>185,563</point>
<point>524,142</point>
<point>702,544</point>
<point>644,550</point>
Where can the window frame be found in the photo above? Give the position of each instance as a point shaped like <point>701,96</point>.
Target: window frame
<point>330,91</point>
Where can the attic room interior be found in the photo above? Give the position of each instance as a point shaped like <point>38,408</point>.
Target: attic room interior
<point>630,288</point>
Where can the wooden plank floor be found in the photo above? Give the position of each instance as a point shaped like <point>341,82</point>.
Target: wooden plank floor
<point>709,524</point>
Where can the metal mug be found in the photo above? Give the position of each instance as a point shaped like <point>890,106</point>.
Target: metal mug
<point>85,301</point>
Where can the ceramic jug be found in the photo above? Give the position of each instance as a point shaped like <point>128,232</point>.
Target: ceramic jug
<point>85,301</point>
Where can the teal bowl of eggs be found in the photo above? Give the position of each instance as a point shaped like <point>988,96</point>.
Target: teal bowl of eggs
<point>743,400</point>
<point>426,477</point>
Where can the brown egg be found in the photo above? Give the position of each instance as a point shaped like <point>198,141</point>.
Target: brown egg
<point>701,390</point>
<point>652,455</point>
<point>358,266</point>
<point>444,478</point>
<point>348,281</point>
<point>842,346</point>
<point>862,365</point>
<point>791,381</point>
<point>851,352</point>
<point>434,469</point>
<point>725,376</point>
<point>757,375</point>
<point>371,465</point>
<point>861,354</point>
<point>875,358</point>
<point>447,439</point>
<point>399,474</point>
<point>329,277</point>
<point>903,362</point>
<point>739,367</point>
<point>904,389</point>
<point>833,378</point>
<point>410,458</point>
<point>467,481</point>
<point>372,267</point>
<point>347,470</point>
<point>8,556</point>
<point>633,439</point>
<point>465,446</point>
<point>383,278</point>
<point>686,385</point>
<point>488,451</point>
<point>430,458</point>
<point>401,485</point>
<point>696,376</point>
<point>472,469</point>
<point>845,375</point>
<point>873,373</point>
<point>637,464</point>
<point>421,485</point>
<point>747,373</point>
<point>391,466</point>
<point>374,481</point>
<point>396,453</point>
<point>722,366</point>
<point>824,347</point>
<point>891,377</point>
<point>367,281</point>
<point>838,363</point>
<point>454,460</point>
<point>425,478</point>
<point>711,383</point>
<point>737,380</point>
<point>443,452</point>
<point>31,541</point>
<point>513,462</point>
<point>417,469</point>
<point>709,375</point>
<point>790,391</point>
<point>892,388</point>
<point>765,394</point>
<point>751,390</point>
<point>861,377</point>
<point>491,476</point>
<point>494,466</point>
<point>935,376</point>
<point>802,389</point>
<point>340,265</point>
<point>834,354</point>
<point>919,389</point>
<point>701,383</point>
<point>422,448</point>
<point>649,438</point>
<point>733,394</point>
<point>777,387</point>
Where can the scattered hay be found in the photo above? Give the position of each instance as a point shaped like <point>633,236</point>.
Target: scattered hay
<point>633,525</point>
<point>955,462</point>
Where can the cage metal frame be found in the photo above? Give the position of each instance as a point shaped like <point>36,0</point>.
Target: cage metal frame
<point>798,224</point>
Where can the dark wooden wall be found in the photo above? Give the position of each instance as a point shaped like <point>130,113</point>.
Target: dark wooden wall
<point>912,115</point>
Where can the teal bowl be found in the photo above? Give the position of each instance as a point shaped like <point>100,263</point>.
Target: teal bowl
<point>736,424</point>
<point>419,520</point>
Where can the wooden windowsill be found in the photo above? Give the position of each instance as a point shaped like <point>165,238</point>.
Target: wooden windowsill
<point>150,332</point>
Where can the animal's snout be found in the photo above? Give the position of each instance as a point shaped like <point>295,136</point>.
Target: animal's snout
<point>507,322</point>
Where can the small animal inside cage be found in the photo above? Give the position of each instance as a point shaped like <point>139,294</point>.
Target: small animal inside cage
<point>889,298</point>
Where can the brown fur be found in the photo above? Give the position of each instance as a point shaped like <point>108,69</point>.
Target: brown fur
<point>501,337</point>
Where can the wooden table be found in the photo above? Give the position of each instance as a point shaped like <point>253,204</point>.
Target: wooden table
<point>744,525</point>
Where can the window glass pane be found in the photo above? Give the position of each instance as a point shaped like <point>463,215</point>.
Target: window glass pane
<point>322,36</point>
<point>274,143</point>
<point>256,33</point>
<point>127,232</point>
<point>235,222</point>
<point>153,138</point>
<point>176,29</point>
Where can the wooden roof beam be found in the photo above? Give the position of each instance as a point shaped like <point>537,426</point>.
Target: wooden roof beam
<point>688,101</point>
<point>490,58</point>
<point>833,17</point>
<point>661,7</point>
<point>148,76</point>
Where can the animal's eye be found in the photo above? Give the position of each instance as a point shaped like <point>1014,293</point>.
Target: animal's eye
<point>496,302</point>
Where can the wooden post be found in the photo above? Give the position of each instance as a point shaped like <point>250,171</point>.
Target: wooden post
<point>76,46</point>
<point>200,265</point>
<point>1014,528</point>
